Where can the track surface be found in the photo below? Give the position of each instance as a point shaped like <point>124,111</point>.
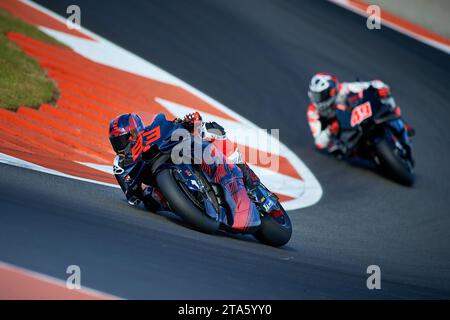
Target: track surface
<point>257,58</point>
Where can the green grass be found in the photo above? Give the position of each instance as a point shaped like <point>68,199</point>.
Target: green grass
<point>22,81</point>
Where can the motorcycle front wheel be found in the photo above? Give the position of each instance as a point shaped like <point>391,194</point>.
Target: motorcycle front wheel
<point>182,205</point>
<point>397,167</point>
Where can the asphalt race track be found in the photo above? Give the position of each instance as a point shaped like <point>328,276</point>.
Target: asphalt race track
<point>257,58</point>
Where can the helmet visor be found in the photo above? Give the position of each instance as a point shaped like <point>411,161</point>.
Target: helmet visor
<point>319,97</point>
<point>120,143</point>
<point>322,101</point>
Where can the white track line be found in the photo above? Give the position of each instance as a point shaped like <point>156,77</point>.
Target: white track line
<point>13,161</point>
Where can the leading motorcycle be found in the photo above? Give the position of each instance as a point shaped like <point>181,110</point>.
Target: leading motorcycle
<point>208,195</point>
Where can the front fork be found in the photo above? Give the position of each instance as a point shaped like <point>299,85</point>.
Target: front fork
<point>395,131</point>
<point>401,139</point>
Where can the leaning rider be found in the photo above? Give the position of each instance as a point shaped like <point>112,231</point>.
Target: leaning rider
<point>326,95</point>
<point>132,175</point>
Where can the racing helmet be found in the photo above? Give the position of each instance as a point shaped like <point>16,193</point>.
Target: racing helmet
<point>323,90</point>
<point>123,130</point>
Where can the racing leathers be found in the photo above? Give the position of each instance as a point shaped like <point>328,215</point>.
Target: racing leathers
<point>134,177</point>
<point>325,127</point>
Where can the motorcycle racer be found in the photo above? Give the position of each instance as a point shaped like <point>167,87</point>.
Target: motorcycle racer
<point>326,95</point>
<point>132,173</point>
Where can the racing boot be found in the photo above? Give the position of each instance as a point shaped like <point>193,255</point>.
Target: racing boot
<point>251,180</point>
<point>153,199</point>
<point>409,130</point>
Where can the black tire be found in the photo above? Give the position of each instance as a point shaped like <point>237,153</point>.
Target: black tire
<point>401,170</point>
<point>182,205</point>
<point>272,233</point>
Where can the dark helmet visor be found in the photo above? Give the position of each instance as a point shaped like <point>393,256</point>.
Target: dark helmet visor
<point>318,97</point>
<point>120,143</point>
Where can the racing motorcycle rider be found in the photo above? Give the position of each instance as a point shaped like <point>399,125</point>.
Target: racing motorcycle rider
<point>326,95</point>
<point>131,175</point>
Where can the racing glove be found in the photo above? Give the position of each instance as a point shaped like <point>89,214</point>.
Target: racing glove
<point>191,117</point>
<point>334,128</point>
<point>193,122</point>
<point>213,131</point>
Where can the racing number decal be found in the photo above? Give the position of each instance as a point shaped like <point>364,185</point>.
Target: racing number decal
<point>361,113</point>
<point>137,148</point>
<point>150,137</point>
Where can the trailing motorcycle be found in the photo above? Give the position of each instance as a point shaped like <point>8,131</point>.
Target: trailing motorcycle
<point>372,130</point>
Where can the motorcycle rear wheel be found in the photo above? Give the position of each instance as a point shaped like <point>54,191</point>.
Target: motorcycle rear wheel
<point>182,205</point>
<point>274,233</point>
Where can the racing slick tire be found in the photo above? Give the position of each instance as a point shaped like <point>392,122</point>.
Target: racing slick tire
<point>274,232</point>
<point>182,205</point>
<point>401,170</point>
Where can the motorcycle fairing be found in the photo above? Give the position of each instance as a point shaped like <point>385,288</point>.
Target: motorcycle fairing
<point>381,113</point>
<point>378,110</point>
<point>243,213</point>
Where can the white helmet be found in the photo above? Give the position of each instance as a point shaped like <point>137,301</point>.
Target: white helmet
<point>323,90</point>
